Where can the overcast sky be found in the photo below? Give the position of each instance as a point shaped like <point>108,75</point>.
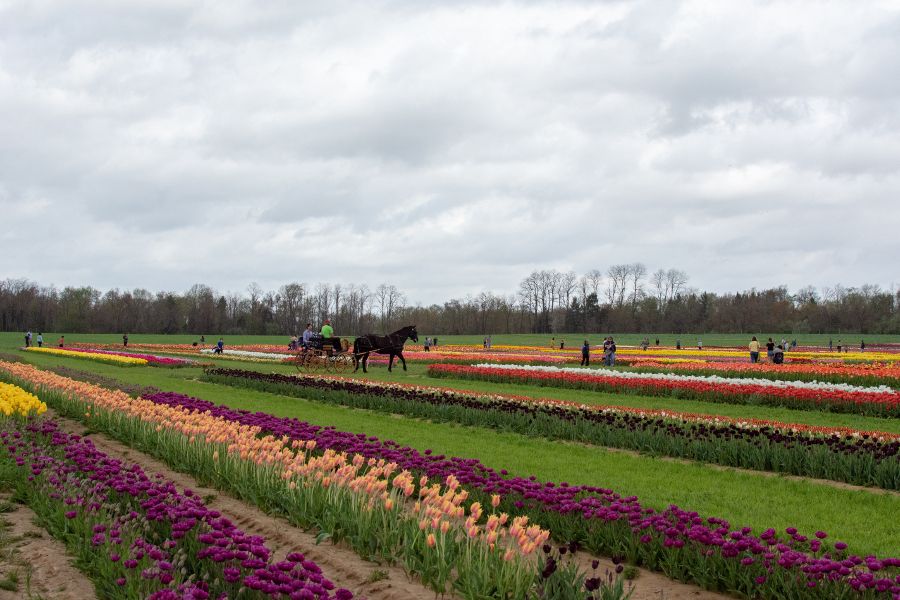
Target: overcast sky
<point>448,147</point>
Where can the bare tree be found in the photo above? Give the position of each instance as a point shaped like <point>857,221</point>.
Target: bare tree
<point>637,272</point>
<point>660,288</point>
<point>567,285</point>
<point>618,284</point>
<point>676,280</point>
<point>388,298</point>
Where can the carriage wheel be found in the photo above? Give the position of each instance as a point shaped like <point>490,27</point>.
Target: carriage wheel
<point>318,361</point>
<point>299,361</point>
<point>310,361</point>
<point>342,363</point>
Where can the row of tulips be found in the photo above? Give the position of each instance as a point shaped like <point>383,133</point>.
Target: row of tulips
<point>97,356</point>
<point>139,537</point>
<point>164,348</point>
<point>879,401</point>
<point>855,374</point>
<point>717,353</point>
<point>682,544</point>
<point>367,501</point>
<point>190,350</point>
<point>840,454</point>
<point>16,402</point>
<point>152,359</point>
<point>678,542</point>
<point>249,354</point>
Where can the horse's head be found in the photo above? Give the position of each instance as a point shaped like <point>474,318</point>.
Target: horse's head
<point>413,334</point>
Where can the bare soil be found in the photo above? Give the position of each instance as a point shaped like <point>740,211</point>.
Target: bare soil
<point>34,564</point>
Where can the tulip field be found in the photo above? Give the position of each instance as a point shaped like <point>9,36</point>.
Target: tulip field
<point>508,472</point>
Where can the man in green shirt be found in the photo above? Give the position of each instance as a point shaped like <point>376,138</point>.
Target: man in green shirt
<point>327,331</point>
<point>328,336</point>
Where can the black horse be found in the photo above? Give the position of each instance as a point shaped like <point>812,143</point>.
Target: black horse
<point>391,344</point>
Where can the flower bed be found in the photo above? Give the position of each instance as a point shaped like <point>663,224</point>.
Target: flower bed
<point>246,354</point>
<point>682,544</point>
<point>122,361</point>
<point>679,542</point>
<point>856,374</point>
<point>474,356</point>
<point>138,536</point>
<point>877,401</point>
<point>16,402</point>
<point>152,360</point>
<point>349,497</point>
<point>164,348</point>
<point>841,454</point>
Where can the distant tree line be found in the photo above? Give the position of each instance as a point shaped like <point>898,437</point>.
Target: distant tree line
<point>624,298</point>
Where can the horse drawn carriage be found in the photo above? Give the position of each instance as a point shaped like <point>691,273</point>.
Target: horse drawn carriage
<point>339,356</point>
<point>325,354</point>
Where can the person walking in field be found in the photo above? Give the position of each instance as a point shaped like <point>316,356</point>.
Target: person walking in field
<point>27,339</point>
<point>61,342</point>
<point>699,344</point>
<point>125,340</point>
<point>426,345</point>
<point>862,345</point>
<point>585,354</point>
<point>678,344</point>
<point>562,344</point>
<point>611,353</point>
<point>754,350</point>
<point>830,345</point>
<point>770,349</point>
<point>40,340</point>
<point>220,346</point>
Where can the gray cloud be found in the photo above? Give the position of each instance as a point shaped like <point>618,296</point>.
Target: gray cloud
<point>447,148</point>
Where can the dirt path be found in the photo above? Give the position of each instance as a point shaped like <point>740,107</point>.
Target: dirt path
<point>33,564</point>
<point>341,565</point>
<point>650,585</point>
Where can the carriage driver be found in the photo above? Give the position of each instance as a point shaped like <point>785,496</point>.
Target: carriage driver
<point>328,335</point>
<point>327,329</point>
